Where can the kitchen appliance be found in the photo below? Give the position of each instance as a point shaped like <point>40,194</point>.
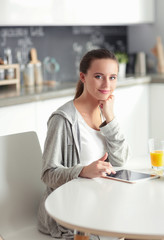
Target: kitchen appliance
<point>131,63</point>
<point>7,56</point>
<point>38,76</point>
<point>28,75</point>
<point>9,73</point>
<point>140,63</point>
<point>50,69</point>
<point>2,74</point>
<point>137,63</point>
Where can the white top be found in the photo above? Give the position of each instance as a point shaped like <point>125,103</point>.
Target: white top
<point>93,144</point>
<point>112,208</point>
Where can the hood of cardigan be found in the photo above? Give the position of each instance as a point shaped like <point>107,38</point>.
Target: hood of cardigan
<point>68,111</point>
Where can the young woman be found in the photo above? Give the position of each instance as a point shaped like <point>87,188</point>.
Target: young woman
<point>83,138</point>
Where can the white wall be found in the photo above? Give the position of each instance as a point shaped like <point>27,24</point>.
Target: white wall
<point>143,37</point>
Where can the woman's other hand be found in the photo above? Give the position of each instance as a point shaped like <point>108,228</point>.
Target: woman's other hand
<point>107,108</point>
<point>98,168</point>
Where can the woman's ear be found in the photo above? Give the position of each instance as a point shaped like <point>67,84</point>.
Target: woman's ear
<point>82,77</point>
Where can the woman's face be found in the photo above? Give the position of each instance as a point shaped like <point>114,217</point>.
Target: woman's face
<point>100,79</point>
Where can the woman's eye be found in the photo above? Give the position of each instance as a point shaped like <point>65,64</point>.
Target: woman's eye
<point>98,76</point>
<point>112,78</point>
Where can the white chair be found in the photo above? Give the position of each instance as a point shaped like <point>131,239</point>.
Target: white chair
<point>20,187</point>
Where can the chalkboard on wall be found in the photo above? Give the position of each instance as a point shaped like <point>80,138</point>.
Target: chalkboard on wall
<point>66,44</point>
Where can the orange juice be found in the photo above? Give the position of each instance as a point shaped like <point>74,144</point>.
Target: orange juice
<point>157,158</point>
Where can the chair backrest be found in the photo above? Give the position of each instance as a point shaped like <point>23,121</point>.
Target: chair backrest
<point>20,183</point>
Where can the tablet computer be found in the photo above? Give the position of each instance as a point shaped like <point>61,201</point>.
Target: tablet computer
<point>130,176</point>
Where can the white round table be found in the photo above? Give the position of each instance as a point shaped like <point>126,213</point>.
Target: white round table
<point>110,208</point>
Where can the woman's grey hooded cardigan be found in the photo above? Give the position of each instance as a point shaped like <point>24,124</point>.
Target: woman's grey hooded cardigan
<point>61,158</point>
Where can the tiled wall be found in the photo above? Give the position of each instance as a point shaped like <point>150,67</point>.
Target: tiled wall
<point>66,44</point>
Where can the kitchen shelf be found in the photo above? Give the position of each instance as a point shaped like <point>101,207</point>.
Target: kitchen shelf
<point>15,80</point>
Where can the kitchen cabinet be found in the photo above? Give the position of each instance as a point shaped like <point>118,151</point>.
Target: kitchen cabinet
<point>109,12</point>
<point>132,112</point>
<point>157,113</point>
<point>18,118</point>
<point>73,12</point>
<point>29,117</point>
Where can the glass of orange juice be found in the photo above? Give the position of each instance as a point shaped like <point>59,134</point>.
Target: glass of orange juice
<point>156,149</point>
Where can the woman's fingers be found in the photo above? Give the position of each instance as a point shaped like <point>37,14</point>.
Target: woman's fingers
<point>98,168</point>
<point>102,102</point>
<point>109,171</point>
<point>104,157</point>
<point>107,108</point>
<point>105,167</point>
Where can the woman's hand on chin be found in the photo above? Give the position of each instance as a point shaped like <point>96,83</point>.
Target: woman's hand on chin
<point>107,108</point>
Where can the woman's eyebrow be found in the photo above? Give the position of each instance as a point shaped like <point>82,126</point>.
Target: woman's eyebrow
<point>113,74</point>
<point>98,73</point>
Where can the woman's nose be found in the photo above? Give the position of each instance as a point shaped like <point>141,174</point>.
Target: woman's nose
<point>106,82</point>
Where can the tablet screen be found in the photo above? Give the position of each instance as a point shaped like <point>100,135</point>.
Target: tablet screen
<point>130,176</point>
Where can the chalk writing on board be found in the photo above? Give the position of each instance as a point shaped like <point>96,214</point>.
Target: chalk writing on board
<point>6,33</point>
<point>21,38</point>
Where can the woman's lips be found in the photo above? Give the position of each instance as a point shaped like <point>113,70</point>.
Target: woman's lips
<point>104,91</point>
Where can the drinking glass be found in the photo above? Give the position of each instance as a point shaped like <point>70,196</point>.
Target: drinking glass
<point>156,149</point>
